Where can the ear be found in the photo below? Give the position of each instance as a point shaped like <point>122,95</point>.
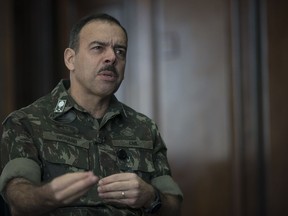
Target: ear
<point>69,57</point>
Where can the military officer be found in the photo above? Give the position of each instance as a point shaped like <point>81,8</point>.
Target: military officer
<point>80,151</point>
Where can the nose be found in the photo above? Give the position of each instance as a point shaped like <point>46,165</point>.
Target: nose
<point>110,56</point>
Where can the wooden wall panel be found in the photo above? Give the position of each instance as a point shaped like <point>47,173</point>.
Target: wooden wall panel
<point>195,102</point>
<point>249,118</point>
<point>7,86</point>
<point>228,139</point>
<point>277,29</point>
<point>7,75</point>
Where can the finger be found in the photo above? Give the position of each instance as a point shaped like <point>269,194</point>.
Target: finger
<point>122,197</point>
<point>114,195</point>
<point>124,194</point>
<point>61,182</point>
<point>117,186</point>
<point>75,188</point>
<point>117,178</point>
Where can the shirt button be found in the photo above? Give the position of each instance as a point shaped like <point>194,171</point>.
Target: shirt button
<point>122,154</point>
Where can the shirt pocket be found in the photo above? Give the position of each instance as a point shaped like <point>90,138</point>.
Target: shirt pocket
<point>135,156</point>
<point>63,154</point>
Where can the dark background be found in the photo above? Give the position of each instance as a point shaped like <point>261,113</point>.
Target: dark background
<point>253,180</point>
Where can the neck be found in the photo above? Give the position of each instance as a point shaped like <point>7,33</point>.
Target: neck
<point>95,105</point>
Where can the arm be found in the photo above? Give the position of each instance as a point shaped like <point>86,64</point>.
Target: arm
<point>24,198</point>
<point>170,205</point>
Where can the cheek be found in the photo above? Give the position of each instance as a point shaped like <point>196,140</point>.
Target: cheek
<point>85,67</point>
<point>121,68</point>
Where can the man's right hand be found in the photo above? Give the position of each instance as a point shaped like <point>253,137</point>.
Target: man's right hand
<point>70,187</point>
<point>24,198</point>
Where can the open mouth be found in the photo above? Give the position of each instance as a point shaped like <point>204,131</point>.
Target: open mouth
<point>107,75</point>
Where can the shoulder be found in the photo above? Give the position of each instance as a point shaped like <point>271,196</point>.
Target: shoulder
<point>137,117</point>
<point>38,108</point>
<point>43,106</point>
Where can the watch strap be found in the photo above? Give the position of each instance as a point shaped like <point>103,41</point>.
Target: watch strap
<point>156,204</point>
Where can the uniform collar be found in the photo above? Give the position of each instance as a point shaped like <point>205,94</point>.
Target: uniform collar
<point>63,102</point>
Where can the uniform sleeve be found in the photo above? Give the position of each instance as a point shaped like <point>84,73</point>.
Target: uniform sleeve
<point>162,178</point>
<point>167,186</point>
<point>19,156</point>
<point>20,167</point>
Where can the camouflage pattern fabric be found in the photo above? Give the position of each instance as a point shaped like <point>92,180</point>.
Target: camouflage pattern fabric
<point>61,137</point>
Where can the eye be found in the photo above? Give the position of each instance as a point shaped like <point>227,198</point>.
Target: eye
<point>120,52</point>
<point>97,47</point>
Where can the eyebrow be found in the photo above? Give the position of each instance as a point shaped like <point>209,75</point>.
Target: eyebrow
<point>107,44</point>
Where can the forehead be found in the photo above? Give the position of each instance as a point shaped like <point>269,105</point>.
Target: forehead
<point>102,31</point>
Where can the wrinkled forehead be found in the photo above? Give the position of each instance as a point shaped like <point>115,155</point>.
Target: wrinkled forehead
<point>103,31</point>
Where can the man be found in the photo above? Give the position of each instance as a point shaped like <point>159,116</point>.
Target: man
<point>78,150</point>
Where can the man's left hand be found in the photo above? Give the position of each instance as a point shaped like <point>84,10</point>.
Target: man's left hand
<point>126,189</point>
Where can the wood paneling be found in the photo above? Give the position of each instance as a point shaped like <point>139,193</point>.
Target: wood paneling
<point>249,116</point>
<point>221,83</point>
<point>194,102</point>
<point>277,19</point>
<point>7,87</point>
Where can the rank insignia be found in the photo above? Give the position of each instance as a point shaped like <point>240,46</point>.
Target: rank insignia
<point>60,106</point>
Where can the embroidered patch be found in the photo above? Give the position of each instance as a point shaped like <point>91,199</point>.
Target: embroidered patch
<point>60,106</point>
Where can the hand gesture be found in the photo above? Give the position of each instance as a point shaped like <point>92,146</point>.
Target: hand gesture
<point>125,189</point>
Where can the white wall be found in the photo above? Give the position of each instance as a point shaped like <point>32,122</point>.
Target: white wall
<point>195,78</point>
<point>186,68</point>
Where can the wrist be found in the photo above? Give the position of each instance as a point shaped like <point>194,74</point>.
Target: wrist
<point>155,202</point>
<point>151,198</point>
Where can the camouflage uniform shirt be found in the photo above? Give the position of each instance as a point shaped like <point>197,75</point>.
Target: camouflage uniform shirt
<point>54,136</point>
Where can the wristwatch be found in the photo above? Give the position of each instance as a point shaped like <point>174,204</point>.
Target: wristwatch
<point>156,204</point>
